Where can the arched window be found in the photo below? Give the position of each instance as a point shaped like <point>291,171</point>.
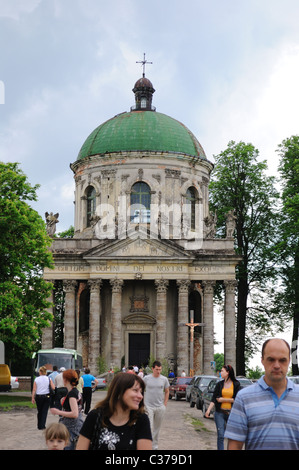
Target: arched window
<point>91,204</point>
<point>140,203</point>
<point>191,202</point>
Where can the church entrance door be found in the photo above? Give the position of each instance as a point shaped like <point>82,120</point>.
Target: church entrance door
<point>139,349</point>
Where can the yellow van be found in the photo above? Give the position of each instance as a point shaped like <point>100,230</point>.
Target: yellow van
<point>4,378</point>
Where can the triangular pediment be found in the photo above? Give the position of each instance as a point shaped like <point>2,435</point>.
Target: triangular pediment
<point>137,247</point>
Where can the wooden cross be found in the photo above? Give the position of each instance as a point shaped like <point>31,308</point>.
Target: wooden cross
<point>143,62</point>
<point>192,325</point>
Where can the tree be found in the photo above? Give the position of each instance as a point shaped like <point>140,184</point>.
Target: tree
<point>24,254</point>
<point>287,249</point>
<point>239,183</point>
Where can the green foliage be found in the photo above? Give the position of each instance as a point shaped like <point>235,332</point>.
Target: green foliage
<point>287,247</point>
<point>24,253</point>
<point>102,365</point>
<point>256,373</point>
<point>240,183</point>
<point>69,233</point>
<point>219,361</point>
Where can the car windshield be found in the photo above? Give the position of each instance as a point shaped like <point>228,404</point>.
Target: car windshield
<point>245,381</point>
<point>184,380</point>
<point>205,381</point>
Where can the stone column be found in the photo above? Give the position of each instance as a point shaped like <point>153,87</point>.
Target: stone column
<point>116,285</point>
<point>70,314</point>
<point>230,324</point>
<point>183,330</point>
<point>161,312</point>
<point>208,319</point>
<point>94,324</point>
<point>48,334</point>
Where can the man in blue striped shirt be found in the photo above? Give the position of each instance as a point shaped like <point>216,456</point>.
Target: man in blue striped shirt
<point>265,415</point>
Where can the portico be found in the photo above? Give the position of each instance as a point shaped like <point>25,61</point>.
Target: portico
<point>137,293</point>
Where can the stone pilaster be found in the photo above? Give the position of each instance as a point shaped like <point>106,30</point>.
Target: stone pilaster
<point>94,323</point>
<point>116,285</point>
<point>208,319</point>
<point>48,334</point>
<point>161,311</point>
<point>70,314</point>
<point>183,330</point>
<point>230,324</point>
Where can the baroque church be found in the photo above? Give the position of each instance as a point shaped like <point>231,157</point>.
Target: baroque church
<point>140,272</point>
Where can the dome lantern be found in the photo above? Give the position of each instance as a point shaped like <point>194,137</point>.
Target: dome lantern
<point>144,91</point>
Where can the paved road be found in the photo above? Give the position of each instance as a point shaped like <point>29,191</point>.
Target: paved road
<point>184,428</point>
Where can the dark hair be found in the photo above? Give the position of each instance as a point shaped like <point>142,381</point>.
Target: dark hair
<point>270,339</point>
<point>156,363</point>
<point>120,383</point>
<point>71,376</point>
<point>231,372</point>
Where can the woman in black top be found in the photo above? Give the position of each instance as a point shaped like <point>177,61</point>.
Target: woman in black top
<point>223,399</point>
<point>118,422</point>
<point>70,415</point>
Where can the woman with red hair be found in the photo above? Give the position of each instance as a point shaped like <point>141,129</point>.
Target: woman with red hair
<point>70,415</point>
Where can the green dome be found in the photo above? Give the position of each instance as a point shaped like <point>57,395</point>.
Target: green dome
<point>141,131</point>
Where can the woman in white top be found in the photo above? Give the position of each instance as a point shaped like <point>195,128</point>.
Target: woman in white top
<point>41,396</point>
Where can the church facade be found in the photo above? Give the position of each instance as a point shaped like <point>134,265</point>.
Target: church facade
<point>140,272</point>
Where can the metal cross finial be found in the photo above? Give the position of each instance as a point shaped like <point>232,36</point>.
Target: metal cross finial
<point>143,62</point>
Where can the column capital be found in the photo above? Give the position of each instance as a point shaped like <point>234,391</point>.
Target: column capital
<point>94,284</point>
<point>161,285</point>
<point>230,285</point>
<point>69,285</point>
<point>116,285</point>
<point>208,287</point>
<point>183,285</point>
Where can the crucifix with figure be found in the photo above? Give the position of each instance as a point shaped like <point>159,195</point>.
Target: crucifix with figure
<point>192,325</point>
<point>143,62</point>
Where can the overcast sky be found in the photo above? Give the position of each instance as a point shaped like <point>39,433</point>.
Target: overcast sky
<point>227,69</point>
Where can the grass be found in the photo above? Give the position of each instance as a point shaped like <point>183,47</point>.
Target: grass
<point>196,423</point>
<point>9,402</point>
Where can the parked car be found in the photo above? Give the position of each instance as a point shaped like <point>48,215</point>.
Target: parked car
<point>189,386</point>
<point>208,394</point>
<point>199,386</point>
<point>14,383</point>
<point>295,379</point>
<point>102,383</point>
<point>4,378</point>
<point>178,386</point>
<point>244,382</point>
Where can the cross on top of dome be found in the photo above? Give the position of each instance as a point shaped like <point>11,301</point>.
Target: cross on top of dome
<point>143,62</point>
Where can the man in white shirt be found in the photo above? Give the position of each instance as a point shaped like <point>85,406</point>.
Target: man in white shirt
<point>156,397</point>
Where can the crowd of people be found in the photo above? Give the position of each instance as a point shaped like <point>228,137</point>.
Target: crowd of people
<point>262,416</point>
<point>125,420</point>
